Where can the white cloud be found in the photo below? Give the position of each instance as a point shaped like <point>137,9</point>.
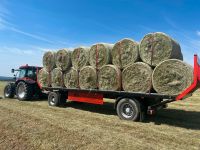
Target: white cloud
<point>30,35</point>
<point>16,51</point>
<point>198,33</point>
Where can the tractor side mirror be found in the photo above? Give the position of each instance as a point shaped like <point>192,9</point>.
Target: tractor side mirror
<point>12,70</point>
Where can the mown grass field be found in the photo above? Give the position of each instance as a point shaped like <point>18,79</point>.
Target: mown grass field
<point>35,125</point>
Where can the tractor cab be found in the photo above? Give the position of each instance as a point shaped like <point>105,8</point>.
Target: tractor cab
<point>26,72</point>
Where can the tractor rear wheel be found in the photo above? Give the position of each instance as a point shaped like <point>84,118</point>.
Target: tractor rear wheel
<point>9,90</point>
<point>24,91</point>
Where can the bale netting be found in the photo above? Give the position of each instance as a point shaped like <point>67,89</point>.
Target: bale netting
<point>49,60</point>
<point>80,57</point>
<point>99,54</point>
<point>172,77</point>
<point>43,78</point>
<point>124,53</point>
<point>157,47</point>
<point>63,59</point>
<point>57,78</point>
<point>137,78</point>
<point>88,78</point>
<point>71,78</point>
<point>109,78</point>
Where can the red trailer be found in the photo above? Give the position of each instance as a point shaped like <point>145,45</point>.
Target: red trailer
<point>129,105</point>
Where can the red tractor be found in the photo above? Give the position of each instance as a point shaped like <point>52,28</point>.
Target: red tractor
<point>25,86</point>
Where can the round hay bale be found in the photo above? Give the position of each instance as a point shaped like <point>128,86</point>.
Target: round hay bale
<point>137,78</point>
<point>124,53</point>
<point>172,77</point>
<point>71,78</point>
<point>63,59</point>
<point>49,60</point>
<point>43,78</point>
<point>99,54</point>
<point>157,47</point>
<point>80,57</point>
<point>56,78</point>
<point>88,78</point>
<point>109,78</point>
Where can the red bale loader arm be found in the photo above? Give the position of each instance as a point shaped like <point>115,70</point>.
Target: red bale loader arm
<point>196,80</point>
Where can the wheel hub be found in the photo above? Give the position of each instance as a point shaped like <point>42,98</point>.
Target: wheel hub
<point>127,110</point>
<point>52,100</point>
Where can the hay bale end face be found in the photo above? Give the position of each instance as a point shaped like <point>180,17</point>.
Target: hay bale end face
<point>125,52</point>
<point>172,77</point>
<point>137,78</point>
<point>57,78</point>
<point>49,60</point>
<point>157,47</point>
<point>43,78</point>
<point>63,59</point>
<point>109,78</point>
<point>71,78</point>
<point>99,54</point>
<point>80,57</point>
<point>88,78</point>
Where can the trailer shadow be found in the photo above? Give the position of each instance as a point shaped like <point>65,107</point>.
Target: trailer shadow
<point>107,108</point>
<point>176,117</point>
<point>172,117</point>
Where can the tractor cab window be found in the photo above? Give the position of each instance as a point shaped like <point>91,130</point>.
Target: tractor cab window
<point>22,73</point>
<point>31,73</point>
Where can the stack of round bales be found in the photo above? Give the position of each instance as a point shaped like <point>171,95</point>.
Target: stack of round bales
<point>63,64</point>
<point>80,59</point>
<point>155,63</point>
<point>44,75</point>
<point>171,75</point>
<point>99,55</point>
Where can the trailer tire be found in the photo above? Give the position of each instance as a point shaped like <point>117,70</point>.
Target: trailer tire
<point>54,99</point>
<point>128,109</point>
<point>9,90</point>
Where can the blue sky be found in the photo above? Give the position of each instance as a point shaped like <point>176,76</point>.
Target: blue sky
<point>30,27</point>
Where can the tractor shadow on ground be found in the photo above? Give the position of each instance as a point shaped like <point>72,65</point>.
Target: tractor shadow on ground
<point>107,108</point>
<point>176,117</point>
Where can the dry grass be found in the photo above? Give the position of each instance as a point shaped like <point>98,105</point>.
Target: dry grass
<point>35,125</point>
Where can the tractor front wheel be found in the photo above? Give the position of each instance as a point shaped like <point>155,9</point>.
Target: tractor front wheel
<point>24,91</point>
<point>9,90</point>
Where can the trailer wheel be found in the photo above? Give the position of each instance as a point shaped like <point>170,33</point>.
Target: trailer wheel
<point>54,99</point>
<point>128,109</point>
